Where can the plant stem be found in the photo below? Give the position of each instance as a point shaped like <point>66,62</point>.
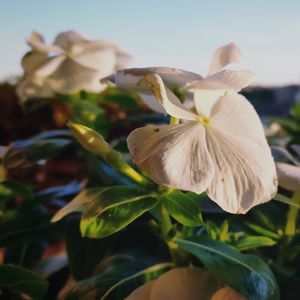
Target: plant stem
<point>165,220</point>
<point>292,215</point>
<point>133,174</point>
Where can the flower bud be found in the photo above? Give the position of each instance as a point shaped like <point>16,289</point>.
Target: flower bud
<point>89,139</point>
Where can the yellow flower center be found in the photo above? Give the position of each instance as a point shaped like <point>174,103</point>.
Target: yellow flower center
<point>204,120</point>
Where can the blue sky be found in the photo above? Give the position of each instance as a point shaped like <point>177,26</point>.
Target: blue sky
<point>167,32</point>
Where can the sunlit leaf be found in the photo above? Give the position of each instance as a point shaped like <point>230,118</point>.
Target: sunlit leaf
<point>114,209</point>
<point>251,242</point>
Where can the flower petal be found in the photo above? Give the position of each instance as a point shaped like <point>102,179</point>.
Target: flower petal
<point>66,39</point>
<point>184,283</point>
<point>33,87</point>
<point>224,56</point>
<point>48,66</point>
<point>172,78</point>
<point>235,114</point>
<point>36,42</point>
<point>227,293</point>
<point>72,77</point>
<point>152,103</point>
<point>142,293</point>
<point>167,99</point>
<point>224,80</point>
<point>103,61</point>
<point>205,99</point>
<point>173,155</point>
<point>288,176</point>
<point>245,172</point>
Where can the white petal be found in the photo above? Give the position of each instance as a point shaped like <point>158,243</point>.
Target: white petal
<point>205,99</point>
<point>35,87</point>
<point>103,61</point>
<point>227,293</point>
<point>245,172</point>
<point>244,176</point>
<point>224,56</point>
<point>33,60</point>
<point>66,39</point>
<point>167,99</point>
<point>288,176</point>
<point>184,284</point>
<point>224,80</point>
<point>72,77</point>
<point>152,103</point>
<point>49,65</point>
<point>173,155</point>
<point>142,293</point>
<point>36,42</point>
<point>235,114</point>
<point>172,78</point>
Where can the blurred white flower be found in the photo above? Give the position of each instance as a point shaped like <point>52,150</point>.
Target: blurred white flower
<point>206,90</point>
<point>71,64</point>
<point>185,284</point>
<point>224,153</point>
<point>288,176</point>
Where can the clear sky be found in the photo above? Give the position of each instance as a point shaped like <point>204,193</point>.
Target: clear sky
<point>171,33</point>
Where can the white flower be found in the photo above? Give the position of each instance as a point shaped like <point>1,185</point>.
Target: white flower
<point>205,89</point>
<point>218,81</point>
<point>71,64</point>
<point>185,284</point>
<point>288,176</point>
<point>224,153</point>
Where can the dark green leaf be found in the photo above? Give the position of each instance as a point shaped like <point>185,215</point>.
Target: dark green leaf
<point>114,209</point>
<point>247,274</point>
<point>28,228</point>
<point>27,152</point>
<point>183,208</point>
<point>124,287</point>
<point>23,281</point>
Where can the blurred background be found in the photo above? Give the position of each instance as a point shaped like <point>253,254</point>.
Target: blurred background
<point>180,34</point>
<point>174,33</point>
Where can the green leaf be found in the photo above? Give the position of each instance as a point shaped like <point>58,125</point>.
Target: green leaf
<point>252,241</point>
<point>23,281</point>
<point>247,274</point>
<point>27,152</point>
<point>124,287</point>
<point>114,209</point>
<point>79,202</point>
<point>286,200</point>
<point>28,228</point>
<point>183,208</point>
<point>263,231</point>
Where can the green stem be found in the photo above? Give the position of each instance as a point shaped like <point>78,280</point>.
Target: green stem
<point>133,174</point>
<point>165,220</point>
<point>292,215</point>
